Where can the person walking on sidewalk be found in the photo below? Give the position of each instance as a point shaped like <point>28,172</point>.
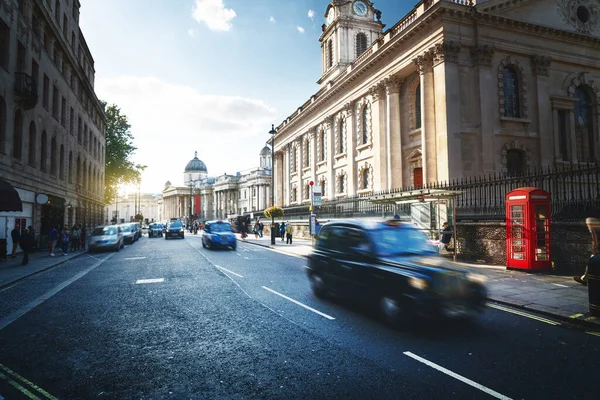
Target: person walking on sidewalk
<point>288,233</point>
<point>261,226</point>
<point>282,230</point>
<point>27,243</point>
<point>15,235</point>
<point>53,237</point>
<point>65,238</point>
<point>593,225</point>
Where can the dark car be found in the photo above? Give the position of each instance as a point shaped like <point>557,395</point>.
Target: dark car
<point>393,266</point>
<point>155,230</point>
<point>218,234</point>
<point>174,229</point>
<point>128,231</point>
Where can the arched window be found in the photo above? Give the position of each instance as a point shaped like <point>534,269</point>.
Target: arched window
<point>584,125</point>
<point>307,192</point>
<point>361,43</point>
<point>510,84</point>
<point>78,172</point>
<point>70,171</point>
<point>18,135</point>
<point>365,124</point>
<point>342,183</point>
<point>515,162</point>
<point>341,136</point>
<point>294,159</point>
<point>329,53</point>
<point>61,163</point>
<point>53,155</point>
<point>2,124</point>
<point>322,145</point>
<point>418,106</point>
<point>306,153</point>
<point>365,178</point>
<point>294,196</point>
<point>32,144</point>
<point>44,152</point>
<point>323,187</point>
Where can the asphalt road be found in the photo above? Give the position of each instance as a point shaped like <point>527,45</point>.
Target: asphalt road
<point>171,320</point>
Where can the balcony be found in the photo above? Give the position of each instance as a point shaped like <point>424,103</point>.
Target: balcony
<point>25,90</point>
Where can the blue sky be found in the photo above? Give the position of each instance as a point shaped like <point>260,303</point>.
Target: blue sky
<point>207,75</point>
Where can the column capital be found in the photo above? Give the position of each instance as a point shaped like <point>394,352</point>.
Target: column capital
<point>348,107</point>
<point>482,55</point>
<point>541,65</point>
<point>376,90</point>
<point>393,84</point>
<point>424,62</point>
<point>447,51</point>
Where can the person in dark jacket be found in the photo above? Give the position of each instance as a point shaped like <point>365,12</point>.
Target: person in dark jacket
<point>15,235</point>
<point>27,243</point>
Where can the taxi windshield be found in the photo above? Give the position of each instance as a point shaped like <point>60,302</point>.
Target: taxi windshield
<point>391,242</point>
<point>220,227</point>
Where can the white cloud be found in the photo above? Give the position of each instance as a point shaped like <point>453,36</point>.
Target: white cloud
<point>300,29</point>
<point>272,19</point>
<point>191,32</point>
<point>214,14</point>
<point>170,122</point>
<point>311,14</point>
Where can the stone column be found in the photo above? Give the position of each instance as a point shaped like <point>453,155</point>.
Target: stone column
<point>351,148</point>
<point>484,108</point>
<point>379,142</point>
<point>329,153</point>
<point>447,111</point>
<point>540,67</point>
<point>428,129</point>
<point>393,132</point>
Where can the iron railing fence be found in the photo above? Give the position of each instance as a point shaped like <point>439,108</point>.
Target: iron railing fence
<point>574,189</point>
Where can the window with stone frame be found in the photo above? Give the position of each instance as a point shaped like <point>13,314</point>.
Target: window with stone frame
<point>341,134</point>
<point>365,124</point>
<point>61,163</point>
<point>365,177</point>
<point>4,45</point>
<point>341,183</point>
<point>322,183</point>
<point>53,156</point>
<point>361,43</point>
<point>79,130</point>
<point>294,195</point>
<point>294,159</point>
<point>306,152</point>
<point>322,145</point>
<point>17,149</point>
<point>515,162</point>
<point>417,105</point>
<point>306,192</point>
<point>329,53</point>
<point>70,171</point>
<point>32,144</point>
<point>44,152</point>
<point>584,125</point>
<point>512,89</point>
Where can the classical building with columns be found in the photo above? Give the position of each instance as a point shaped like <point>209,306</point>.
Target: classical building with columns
<point>52,124</point>
<point>455,89</point>
<point>225,196</point>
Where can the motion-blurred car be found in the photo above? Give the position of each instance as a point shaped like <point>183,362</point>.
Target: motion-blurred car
<point>174,229</point>
<point>129,233</point>
<point>393,266</point>
<point>138,230</point>
<point>106,238</point>
<point>155,230</point>
<point>218,234</point>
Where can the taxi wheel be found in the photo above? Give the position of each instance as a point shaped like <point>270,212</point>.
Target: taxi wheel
<point>203,245</point>
<point>318,286</point>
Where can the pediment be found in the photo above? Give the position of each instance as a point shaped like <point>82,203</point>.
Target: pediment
<point>582,16</point>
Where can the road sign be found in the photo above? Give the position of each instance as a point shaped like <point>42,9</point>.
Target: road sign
<point>316,195</point>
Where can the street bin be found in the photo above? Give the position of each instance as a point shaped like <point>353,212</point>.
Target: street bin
<point>593,282</point>
<point>3,254</point>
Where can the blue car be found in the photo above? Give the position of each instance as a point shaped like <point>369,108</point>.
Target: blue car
<point>218,234</point>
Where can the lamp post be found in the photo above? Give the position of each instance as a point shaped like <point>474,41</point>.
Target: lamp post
<point>272,133</point>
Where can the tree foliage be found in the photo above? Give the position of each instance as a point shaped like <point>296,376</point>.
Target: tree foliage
<point>119,168</point>
<point>273,211</point>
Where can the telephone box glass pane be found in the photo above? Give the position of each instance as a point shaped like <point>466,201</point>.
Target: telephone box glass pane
<point>541,233</point>
<point>517,248</point>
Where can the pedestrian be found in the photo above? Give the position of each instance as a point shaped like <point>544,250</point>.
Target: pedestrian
<point>15,235</point>
<point>446,236</point>
<point>288,233</point>
<point>593,225</point>
<point>65,238</point>
<point>53,237</point>
<point>261,226</point>
<point>75,238</point>
<point>255,230</point>
<point>282,230</point>
<point>27,243</point>
<point>244,234</point>
<point>32,233</point>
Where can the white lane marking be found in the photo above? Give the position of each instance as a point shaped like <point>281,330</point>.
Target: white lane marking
<point>155,280</point>
<point>523,314</point>
<point>247,258</point>
<point>457,376</point>
<point>135,258</point>
<point>329,317</point>
<point>231,272</point>
<point>559,285</point>
<point>12,317</point>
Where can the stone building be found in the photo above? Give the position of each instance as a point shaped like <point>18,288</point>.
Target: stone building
<point>454,89</point>
<point>125,208</point>
<point>52,125</point>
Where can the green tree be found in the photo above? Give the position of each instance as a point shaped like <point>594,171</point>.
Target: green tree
<point>119,168</point>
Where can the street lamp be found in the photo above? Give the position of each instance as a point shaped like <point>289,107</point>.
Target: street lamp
<point>272,133</point>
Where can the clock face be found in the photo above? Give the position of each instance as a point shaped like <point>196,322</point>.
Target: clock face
<point>360,8</point>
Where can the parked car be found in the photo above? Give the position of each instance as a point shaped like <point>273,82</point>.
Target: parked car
<point>218,234</point>
<point>393,266</point>
<point>174,229</point>
<point>155,230</point>
<point>107,237</point>
<point>138,230</point>
<point>128,233</point>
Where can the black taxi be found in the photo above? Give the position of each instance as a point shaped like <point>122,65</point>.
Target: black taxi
<point>394,266</point>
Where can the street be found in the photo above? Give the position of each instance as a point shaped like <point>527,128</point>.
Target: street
<point>170,319</point>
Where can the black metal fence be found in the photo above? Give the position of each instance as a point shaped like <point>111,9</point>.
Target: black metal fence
<point>574,191</point>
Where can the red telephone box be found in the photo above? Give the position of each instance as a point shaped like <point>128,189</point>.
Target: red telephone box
<point>528,229</point>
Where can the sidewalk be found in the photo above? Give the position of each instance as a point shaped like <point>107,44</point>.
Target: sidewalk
<point>556,296</point>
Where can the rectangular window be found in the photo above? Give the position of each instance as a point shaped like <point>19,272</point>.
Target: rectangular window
<point>563,135</point>
<point>63,112</point>
<point>65,29</point>
<point>21,54</point>
<point>55,105</point>
<point>79,130</point>
<point>46,96</point>
<point>72,121</point>
<point>35,74</point>
<point>4,44</point>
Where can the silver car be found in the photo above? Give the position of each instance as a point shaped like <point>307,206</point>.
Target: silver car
<point>107,237</point>
<point>129,232</point>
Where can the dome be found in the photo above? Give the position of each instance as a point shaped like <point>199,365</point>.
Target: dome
<point>195,165</point>
<point>266,151</point>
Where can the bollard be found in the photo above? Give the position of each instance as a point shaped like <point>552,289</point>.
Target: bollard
<point>593,281</point>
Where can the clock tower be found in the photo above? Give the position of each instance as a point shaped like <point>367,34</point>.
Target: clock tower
<point>350,28</point>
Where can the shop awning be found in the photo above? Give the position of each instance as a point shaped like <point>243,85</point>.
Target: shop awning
<point>9,197</point>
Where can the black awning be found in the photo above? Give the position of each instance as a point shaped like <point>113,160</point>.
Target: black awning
<point>9,197</point>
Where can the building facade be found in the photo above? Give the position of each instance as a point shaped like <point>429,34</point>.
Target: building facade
<point>455,89</point>
<point>125,208</point>
<point>52,125</point>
